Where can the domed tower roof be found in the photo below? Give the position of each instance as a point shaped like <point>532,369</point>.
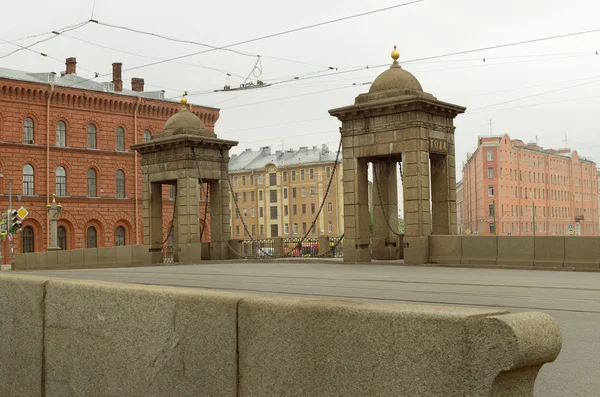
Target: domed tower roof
<point>185,122</point>
<point>395,78</point>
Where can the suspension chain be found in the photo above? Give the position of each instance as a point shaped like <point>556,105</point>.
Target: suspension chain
<point>267,255</point>
<point>385,216</point>
<point>172,219</point>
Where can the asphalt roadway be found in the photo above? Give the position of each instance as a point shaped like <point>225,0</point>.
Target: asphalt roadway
<point>572,298</point>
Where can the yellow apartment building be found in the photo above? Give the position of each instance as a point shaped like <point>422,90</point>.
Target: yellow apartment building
<point>279,194</point>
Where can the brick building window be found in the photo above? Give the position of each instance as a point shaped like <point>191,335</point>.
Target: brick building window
<point>295,228</point>
<point>120,236</point>
<point>120,135</point>
<point>311,173</point>
<point>61,134</point>
<point>312,208</point>
<point>260,212</point>
<point>260,196</point>
<point>273,179</point>
<point>491,191</point>
<point>28,180</point>
<point>293,192</point>
<point>27,240</point>
<point>293,175</point>
<point>329,207</point>
<point>285,193</point>
<point>303,209</point>
<point>91,183</point>
<point>284,175</point>
<point>91,136</point>
<point>273,212</point>
<point>304,227</point>
<point>147,136</point>
<point>252,196</point>
<point>61,237</point>
<point>490,173</point>
<point>328,171</point>
<point>329,226</point>
<point>120,182</point>
<point>28,131</point>
<point>490,155</point>
<point>91,237</point>
<point>61,182</point>
<point>302,177</point>
<point>273,196</point>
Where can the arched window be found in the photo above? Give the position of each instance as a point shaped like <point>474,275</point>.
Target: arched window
<point>61,237</point>
<point>147,136</point>
<point>120,139</point>
<point>27,240</point>
<point>120,236</point>
<point>28,130</point>
<point>91,136</point>
<point>61,182</point>
<point>91,240</point>
<point>28,180</point>
<point>120,179</point>
<point>91,183</point>
<point>61,134</point>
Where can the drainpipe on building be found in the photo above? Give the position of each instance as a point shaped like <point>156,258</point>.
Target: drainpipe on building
<point>50,95</point>
<point>135,155</point>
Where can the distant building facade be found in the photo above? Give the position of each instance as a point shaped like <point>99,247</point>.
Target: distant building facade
<point>279,193</point>
<point>513,188</point>
<point>70,136</point>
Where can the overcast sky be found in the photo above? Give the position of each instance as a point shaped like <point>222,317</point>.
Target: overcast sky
<point>432,27</point>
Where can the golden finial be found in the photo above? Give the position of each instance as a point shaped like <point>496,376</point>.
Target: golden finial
<point>395,54</point>
<point>54,197</point>
<point>183,99</point>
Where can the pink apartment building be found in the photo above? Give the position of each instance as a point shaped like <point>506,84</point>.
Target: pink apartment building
<point>513,188</point>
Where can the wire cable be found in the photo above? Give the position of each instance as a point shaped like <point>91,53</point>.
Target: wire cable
<point>260,38</point>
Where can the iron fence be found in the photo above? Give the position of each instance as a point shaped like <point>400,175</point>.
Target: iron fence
<point>168,256</point>
<point>263,248</point>
<point>336,247</point>
<point>296,247</point>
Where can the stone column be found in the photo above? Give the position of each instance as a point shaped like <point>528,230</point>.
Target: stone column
<point>386,192</point>
<point>220,213</point>
<point>187,221</point>
<point>416,203</point>
<point>441,200</point>
<point>356,211</point>
<point>153,216</point>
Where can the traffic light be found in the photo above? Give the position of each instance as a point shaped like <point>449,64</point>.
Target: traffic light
<point>14,223</point>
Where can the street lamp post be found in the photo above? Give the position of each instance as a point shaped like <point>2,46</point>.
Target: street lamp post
<point>54,210</point>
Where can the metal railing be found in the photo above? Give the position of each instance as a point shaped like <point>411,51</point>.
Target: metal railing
<point>262,248</point>
<point>168,255</point>
<point>336,246</point>
<point>296,247</point>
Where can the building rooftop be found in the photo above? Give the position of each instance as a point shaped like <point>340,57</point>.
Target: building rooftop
<point>251,160</point>
<point>74,81</point>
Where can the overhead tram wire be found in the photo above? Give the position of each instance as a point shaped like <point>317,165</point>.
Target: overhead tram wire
<point>55,33</point>
<point>260,38</point>
<point>151,57</point>
<point>214,47</point>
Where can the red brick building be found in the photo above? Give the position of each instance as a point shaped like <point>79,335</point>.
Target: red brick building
<point>68,135</point>
<point>513,188</point>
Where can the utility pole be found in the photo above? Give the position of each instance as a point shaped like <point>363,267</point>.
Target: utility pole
<point>566,145</point>
<point>494,207</point>
<point>12,237</point>
<point>490,123</point>
<point>534,226</point>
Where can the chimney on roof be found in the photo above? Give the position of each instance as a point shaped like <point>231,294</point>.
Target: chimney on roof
<point>116,80</point>
<point>137,84</point>
<point>71,64</point>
